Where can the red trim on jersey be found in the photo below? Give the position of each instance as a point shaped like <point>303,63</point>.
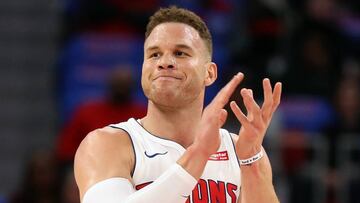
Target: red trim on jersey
<point>138,187</point>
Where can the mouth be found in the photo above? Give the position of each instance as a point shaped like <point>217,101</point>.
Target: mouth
<point>166,77</point>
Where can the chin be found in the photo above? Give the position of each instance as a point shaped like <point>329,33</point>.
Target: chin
<point>171,97</point>
<point>166,98</point>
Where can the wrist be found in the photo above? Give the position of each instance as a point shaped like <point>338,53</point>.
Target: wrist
<point>252,159</point>
<point>248,151</point>
<point>199,150</point>
<point>194,161</point>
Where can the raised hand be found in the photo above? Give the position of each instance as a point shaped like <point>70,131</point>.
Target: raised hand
<point>213,117</point>
<point>257,120</point>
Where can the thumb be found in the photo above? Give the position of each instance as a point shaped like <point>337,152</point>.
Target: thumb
<point>222,117</point>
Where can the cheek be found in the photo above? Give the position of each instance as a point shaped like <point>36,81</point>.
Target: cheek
<point>196,76</point>
<point>146,71</point>
<point>145,75</point>
<point>198,70</point>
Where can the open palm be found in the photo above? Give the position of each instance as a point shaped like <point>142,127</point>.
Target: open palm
<point>257,120</point>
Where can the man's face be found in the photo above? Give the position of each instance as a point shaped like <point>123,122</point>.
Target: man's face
<point>175,65</point>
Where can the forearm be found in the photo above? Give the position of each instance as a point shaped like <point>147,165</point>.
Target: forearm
<point>174,185</point>
<point>256,183</point>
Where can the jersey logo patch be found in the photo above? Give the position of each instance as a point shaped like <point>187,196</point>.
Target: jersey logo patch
<point>219,156</point>
<point>155,154</point>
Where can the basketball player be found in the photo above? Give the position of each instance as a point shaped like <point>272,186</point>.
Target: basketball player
<point>178,151</point>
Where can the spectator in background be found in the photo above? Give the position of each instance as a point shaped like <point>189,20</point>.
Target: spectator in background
<point>40,181</point>
<point>346,126</point>
<point>314,65</point>
<point>347,103</point>
<point>315,49</point>
<point>347,113</point>
<point>91,115</point>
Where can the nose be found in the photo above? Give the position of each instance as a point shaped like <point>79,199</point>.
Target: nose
<point>166,62</point>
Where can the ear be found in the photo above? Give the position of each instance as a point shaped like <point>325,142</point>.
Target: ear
<point>211,73</point>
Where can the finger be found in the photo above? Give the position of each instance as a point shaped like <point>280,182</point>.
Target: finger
<point>239,114</point>
<point>222,98</point>
<point>222,117</point>
<point>257,110</point>
<point>276,96</point>
<point>252,107</point>
<point>268,99</point>
<point>249,114</point>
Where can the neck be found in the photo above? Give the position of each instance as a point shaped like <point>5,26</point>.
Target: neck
<point>177,124</point>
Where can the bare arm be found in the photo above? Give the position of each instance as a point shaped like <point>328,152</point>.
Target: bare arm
<point>257,179</point>
<point>103,154</point>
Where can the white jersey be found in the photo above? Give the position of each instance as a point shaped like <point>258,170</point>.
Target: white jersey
<point>220,181</point>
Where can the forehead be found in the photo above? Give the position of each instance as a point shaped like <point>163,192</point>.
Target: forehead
<point>173,33</point>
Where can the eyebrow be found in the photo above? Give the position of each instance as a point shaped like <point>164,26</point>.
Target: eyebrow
<point>152,48</point>
<point>181,46</point>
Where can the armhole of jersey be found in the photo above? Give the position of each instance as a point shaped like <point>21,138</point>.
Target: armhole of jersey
<point>234,148</point>
<point>133,147</point>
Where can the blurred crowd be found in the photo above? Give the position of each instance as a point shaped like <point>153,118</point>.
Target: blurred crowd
<point>311,46</point>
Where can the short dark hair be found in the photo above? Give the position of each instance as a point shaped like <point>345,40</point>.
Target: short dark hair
<point>180,15</point>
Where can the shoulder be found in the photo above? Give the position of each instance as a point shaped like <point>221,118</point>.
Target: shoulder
<point>115,138</point>
<point>104,141</point>
<point>103,154</point>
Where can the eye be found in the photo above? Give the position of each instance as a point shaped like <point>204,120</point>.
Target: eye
<point>180,53</point>
<point>154,55</point>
